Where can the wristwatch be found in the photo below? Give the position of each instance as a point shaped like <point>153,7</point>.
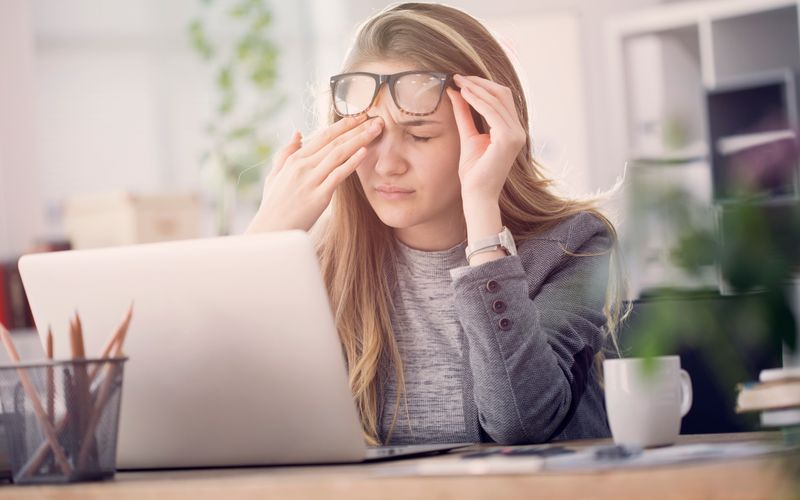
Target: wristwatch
<point>501,241</point>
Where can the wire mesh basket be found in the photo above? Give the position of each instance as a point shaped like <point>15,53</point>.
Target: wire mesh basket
<point>61,419</point>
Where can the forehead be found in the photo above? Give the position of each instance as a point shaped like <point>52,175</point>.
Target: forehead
<point>386,67</point>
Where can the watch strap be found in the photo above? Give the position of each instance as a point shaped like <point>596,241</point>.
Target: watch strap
<point>492,243</point>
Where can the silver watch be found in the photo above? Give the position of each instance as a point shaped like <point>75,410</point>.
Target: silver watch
<point>501,241</point>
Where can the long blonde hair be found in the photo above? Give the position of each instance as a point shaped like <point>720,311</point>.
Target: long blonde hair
<point>357,250</point>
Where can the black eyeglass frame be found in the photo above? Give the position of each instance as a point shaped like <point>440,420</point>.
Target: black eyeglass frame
<point>390,81</point>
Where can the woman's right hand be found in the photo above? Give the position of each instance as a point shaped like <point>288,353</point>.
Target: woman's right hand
<point>304,177</point>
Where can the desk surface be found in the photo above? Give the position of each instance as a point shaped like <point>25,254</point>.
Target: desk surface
<point>750,478</point>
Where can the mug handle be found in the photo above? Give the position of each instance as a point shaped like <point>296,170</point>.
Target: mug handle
<point>686,393</point>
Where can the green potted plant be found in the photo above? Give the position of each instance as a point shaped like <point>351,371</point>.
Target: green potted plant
<point>752,239</point>
<point>245,69</point>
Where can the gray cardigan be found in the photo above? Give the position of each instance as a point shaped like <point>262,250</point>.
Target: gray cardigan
<point>502,351</point>
<point>532,364</point>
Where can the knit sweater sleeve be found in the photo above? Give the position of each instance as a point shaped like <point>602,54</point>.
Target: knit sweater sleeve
<point>533,323</point>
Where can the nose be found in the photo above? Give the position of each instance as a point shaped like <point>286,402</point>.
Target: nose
<point>389,158</point>
<point>387,150</point>
<point>383,97</point>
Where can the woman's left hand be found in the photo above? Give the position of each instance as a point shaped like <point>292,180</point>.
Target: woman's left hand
<point>486,159</point>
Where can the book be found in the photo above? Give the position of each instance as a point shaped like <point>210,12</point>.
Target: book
<point>773,374</point>
<point>735,143</point>
<point>781,418</point>
<point>755,396</point>
<point>18,311</point>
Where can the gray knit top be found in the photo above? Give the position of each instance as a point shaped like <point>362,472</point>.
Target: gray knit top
<point>501,351</point>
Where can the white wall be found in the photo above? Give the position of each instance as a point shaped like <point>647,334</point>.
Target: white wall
<point>558,125</point>
<point>20,219</point>
<point>106,94</point>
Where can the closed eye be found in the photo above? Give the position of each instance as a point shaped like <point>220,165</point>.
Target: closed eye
<point>418,138</point>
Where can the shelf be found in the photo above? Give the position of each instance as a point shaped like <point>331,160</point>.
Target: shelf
<point>679,14</point>
<point>734,144</point>
<point>697,151</point>
<point>752,123</point>
<point>662,117</point>
<point>708,104</point>
<point>756,42</point>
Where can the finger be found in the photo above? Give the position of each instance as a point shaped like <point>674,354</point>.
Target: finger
<point>495,88</point>
<point>323,137</point>
<point>488,111</point>
<point>344,151</point>
<point>487,97</point>
<point>365,130</point>
<point>342,172</point>
<point>280,157</point>
<point>464,120</point>
<point>501,92</point>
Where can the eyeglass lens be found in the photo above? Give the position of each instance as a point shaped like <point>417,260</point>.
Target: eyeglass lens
<point>414,93</point>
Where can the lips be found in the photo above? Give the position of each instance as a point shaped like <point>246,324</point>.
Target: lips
<point>393,189</point>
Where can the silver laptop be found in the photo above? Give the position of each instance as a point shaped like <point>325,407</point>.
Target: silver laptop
<point>234,356</point>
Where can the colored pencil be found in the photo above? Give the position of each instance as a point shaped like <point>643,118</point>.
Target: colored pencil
<point>30,389</point>
<point>119,335</point>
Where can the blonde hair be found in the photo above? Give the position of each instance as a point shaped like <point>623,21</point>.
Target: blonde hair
<point>356,249</point>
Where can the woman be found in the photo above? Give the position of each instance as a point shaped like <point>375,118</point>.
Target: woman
<point>470,300</point>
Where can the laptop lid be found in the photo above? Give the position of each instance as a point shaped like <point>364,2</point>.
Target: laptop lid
<point>234,356</point>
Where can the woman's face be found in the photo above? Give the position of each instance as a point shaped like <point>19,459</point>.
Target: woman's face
<point>417,157</point>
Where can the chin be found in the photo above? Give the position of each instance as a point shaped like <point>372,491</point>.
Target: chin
<point>395,218</point>
<point>395,221</point>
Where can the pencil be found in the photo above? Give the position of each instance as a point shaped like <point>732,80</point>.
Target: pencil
<point>83,399</point>
<point>118,337</point>
<point>50,380</point>
<point>103,396</point>
<point>119,333</point>
<point>29,388</point>
<point>105,389</point>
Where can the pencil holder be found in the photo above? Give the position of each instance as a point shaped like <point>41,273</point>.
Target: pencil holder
<point>61,419</point>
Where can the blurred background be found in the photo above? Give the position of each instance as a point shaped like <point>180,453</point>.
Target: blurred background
<point>113,96</point>
<point>135,121</point>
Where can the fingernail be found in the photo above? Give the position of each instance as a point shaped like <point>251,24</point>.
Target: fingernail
<point>376,124</point>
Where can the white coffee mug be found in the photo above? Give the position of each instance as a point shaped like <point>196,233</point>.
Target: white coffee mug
<point>645,406</point>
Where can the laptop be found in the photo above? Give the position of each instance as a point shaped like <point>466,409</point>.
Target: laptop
<point>233,353</point>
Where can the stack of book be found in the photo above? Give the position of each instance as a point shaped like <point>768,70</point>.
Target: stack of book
<point>776,395</point>
<point>15,313</point>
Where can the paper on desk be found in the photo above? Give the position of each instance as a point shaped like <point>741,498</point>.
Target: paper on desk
<point>587,460</point>
<point>670,455</point>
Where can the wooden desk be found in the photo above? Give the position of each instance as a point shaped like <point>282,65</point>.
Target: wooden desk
<point>751,478</point>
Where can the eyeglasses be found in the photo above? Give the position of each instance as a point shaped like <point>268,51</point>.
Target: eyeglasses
<point>416,93</point>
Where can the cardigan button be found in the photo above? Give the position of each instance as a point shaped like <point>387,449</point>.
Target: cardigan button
<point>499,306</point>
<point>492,286</point>
<point>504,324</point>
